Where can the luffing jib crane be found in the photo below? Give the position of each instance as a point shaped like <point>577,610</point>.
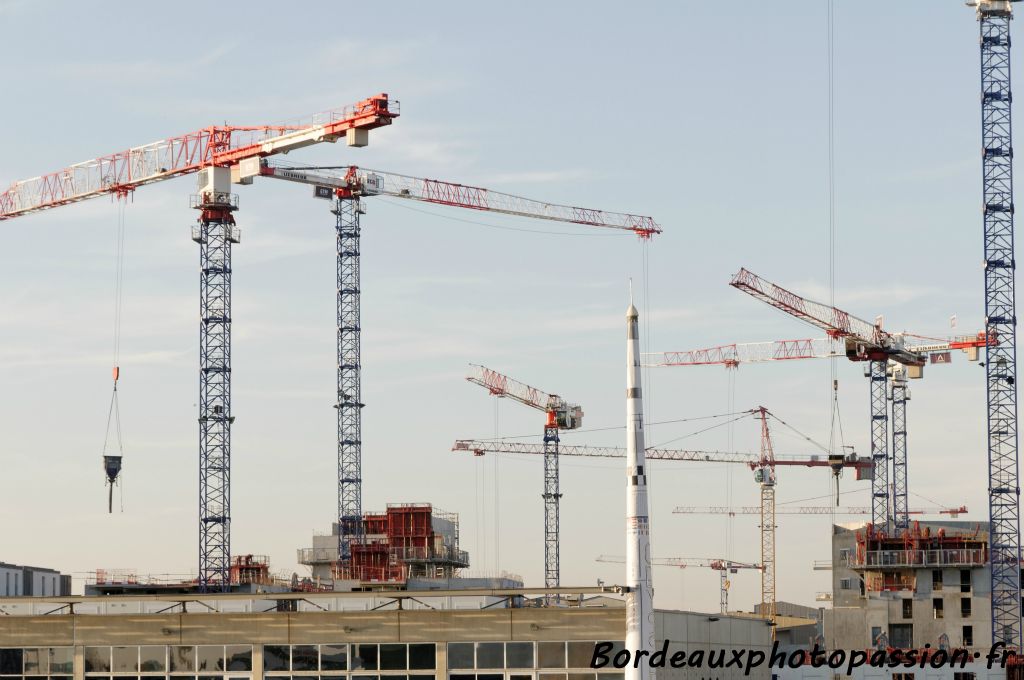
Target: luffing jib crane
<point>889,356</point>
<point>732,355</point>
<point>723,566</point>
<point>560,415</point>
<point>346,186</point>
<point>215,153</point>
<point>1000,318</point>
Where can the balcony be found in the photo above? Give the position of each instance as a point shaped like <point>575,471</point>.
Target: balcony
<point>919,559</point>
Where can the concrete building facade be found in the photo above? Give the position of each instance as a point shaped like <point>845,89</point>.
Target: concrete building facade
<point>22,581</point>
<point>931,587</point>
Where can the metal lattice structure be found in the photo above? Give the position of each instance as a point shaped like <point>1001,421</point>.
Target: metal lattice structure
<point>807,510</point>
<point>879,446</point>
<point>215,233</point>
<point>1000,319</point>
<point>900,395</point>
<point>552,498</point>
<point>767,481</point>
<point>349,404</point>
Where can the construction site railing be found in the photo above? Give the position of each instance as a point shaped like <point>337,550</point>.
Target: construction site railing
<point>920,558</point>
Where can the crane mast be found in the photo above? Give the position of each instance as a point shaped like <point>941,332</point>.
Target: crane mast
<point>1000,319</point>
<point>215,153</point>
<point>560,415</point>
<point>346,185</point>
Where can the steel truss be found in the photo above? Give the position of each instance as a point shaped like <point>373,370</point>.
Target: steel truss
<point>349,404</point>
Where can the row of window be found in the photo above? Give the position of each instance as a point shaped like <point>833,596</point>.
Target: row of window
<point>540,676</point>
<point>901,635</point>
<point>37,661</point>
<point>355,657</point>
<point>487,655</point>
<point>163,659</point>
<point>938,609</point>
<point>186,662</point>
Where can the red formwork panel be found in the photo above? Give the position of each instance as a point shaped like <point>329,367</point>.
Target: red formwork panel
<point>407,521</point>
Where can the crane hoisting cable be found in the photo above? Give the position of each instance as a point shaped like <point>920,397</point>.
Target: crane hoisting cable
<point>112,461</point>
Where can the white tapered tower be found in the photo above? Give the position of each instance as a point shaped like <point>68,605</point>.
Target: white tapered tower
<point>640,598</point>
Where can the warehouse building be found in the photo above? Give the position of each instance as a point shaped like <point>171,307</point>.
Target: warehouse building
<point>406,635</point>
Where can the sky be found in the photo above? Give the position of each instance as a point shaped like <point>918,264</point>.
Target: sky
<point>710,117</point>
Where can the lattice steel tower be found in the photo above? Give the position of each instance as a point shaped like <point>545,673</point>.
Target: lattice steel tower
<point>1000,320</point>
<point>349,404</point>
<point>215,233</point>
<point>880,515</point>
<point>552,499</point>
<point>900,395</point>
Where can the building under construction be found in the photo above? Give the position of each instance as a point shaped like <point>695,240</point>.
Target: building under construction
<point>928,586</point>
<point>406,541</point>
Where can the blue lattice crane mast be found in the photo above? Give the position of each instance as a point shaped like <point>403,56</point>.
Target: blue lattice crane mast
<point>215,153</point>
<point>1000,318</point>
<point>561,415</point>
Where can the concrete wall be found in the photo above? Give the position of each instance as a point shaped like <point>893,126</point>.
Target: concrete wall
<point>11,584</point>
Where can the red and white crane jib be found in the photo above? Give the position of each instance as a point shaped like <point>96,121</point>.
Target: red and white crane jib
<point>221,146</point>
<point>741,353</point>
<point>561,414</point>
<point>865,341</point>
<point>716,563</point>
<point>735,354</point>
<point>751,460</point>
<point>363,181</point>
<point>808,510</point>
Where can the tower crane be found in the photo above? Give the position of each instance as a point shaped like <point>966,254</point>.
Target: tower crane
<point>560,415</point>
<point>346,185</point>
<point>732,355</point>
<point>1000,318</point>
<point>214,153</point>
<point>865,341</point>
<point>723,566</point>
<point>763,464</point>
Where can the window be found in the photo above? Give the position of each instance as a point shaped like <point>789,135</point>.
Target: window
<point>551,655</point>
<point>519,654</point>
<point>580,655</point>
<point>963,676</point>
<point>936,579</point>
<point>335,657</point>
<point>364,657</point>
<point>901,635</point>
<point>965,587</point>
<point>97,660</point>
<point>965,607</point>
<point>490,655</point>
<point>183,660</point>
<point>10,661</point>
<point>844,555</point>
<point>937,607</point>
<point>392,658</point>
<point>846,584</point>
<point>968,636</point>
<point>460,655</point>
<point>902,676</point>
<point>421,657</point>
<point>908,609</point>
<point>875,632</point>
